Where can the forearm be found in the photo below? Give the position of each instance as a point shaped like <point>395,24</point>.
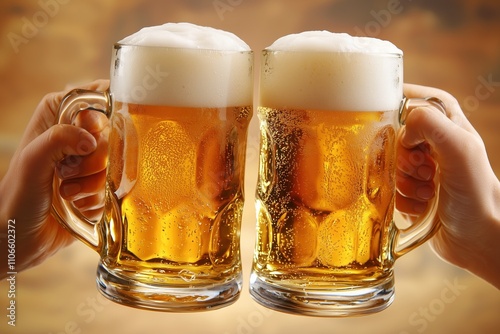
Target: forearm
<point>488,265</point>
<point>18,245</point>
<point>7,234</point>
<point>11,255</point>
<point>8,248</point>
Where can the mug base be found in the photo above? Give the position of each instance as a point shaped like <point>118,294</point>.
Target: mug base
<point>161,297</point>
<point>350,300</point>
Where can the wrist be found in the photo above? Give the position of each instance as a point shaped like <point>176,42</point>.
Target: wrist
<point>487,261</point>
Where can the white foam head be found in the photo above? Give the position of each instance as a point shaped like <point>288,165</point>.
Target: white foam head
<point>182,64</point>
<point>188,36</point>
<point>330,71</point>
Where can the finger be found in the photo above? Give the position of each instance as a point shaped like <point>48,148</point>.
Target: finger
<point>416,162</point>
<point>81,166</point>
<point>75,189</point>
<point>44,152</point>
<point>413,188</point>
<point>92,121</point>
<point>45,114</point>
<point>410,206</point>
<point>453,109</point>
<point>99,84</point>
<point>90,203</point>
<point>53,103</point>
<point>449,142</point>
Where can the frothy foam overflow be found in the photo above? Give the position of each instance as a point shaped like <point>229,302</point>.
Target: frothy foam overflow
<point>330,71</point>
<point>182,64</point>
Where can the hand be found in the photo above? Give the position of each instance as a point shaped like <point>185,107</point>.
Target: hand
<point>77,153</point>
<point>469,198</point>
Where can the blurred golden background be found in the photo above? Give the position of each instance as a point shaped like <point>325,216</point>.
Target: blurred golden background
<point>47,45</point>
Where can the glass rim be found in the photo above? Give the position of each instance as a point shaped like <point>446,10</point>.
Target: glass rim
<point>128,45</point>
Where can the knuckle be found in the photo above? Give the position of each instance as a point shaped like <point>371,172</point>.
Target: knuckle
<point>57,133</point>
<point>52,101</point>
<point>451,99</point>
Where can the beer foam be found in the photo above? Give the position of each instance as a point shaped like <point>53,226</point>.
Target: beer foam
<point>186,35</point>
<point>331,71</point>
<point>332,42</point>
<point>182,64</point>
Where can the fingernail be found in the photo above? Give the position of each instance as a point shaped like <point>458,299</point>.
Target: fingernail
<point>68,171</point>
<point>425,192</point>
<point>86,144</point>
<point>84,147</point>
<point>71,189</point>
<point>425,172</point>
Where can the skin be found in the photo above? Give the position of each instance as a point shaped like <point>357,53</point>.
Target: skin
<point>26,189</point>
<point>469,195</point>
<point>468,204</point>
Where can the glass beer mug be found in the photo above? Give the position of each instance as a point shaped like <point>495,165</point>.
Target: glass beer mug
<point>169,236</point>
<point>330,109</point>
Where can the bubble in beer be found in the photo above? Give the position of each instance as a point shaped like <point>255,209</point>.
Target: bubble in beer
<point>162,155</point>
<point>184,233</point>
<point>214,163</point>
<point>264,229</point>
<point>367,221</point>
<point>380,160</point>
<point>326,176</point>
<point>116,157</point>
<point>296,237</point>
<point>337,239</point>
<point>142,235</point>
<point>123,157</point>
<point>223,236</point>
<point>267,168</point>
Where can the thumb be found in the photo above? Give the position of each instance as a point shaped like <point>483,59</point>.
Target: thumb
<point>41,155</point>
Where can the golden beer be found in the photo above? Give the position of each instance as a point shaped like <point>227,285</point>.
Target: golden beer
<point>175,191</point>
<point>324,195</point>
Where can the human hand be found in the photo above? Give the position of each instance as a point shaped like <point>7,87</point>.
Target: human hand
<point>469,197</point>
<point>76,153</point>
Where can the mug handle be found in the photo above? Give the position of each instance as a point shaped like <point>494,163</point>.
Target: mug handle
<point>64,211</point>
<point>405,240</point>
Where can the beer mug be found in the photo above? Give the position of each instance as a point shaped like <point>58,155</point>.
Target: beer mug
<point>330,109</point>
<point>169,236</point>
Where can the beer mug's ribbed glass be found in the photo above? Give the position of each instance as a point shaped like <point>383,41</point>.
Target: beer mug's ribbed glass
<point>326,184</point>
<point>174,195</point>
